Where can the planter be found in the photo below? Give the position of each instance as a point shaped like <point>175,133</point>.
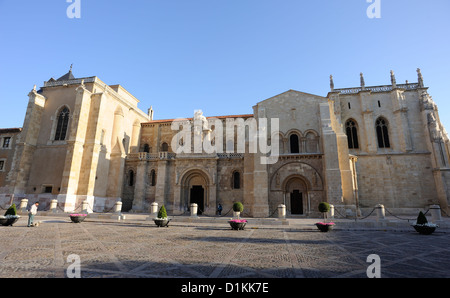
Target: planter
<point>9,220</point>
<point>77,218</point>
<point>237,224</point>
<point>324,227</point>
<point>162,222</point>
<point>425,229</point>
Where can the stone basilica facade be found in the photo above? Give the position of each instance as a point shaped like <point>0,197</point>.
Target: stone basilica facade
<point>84,140</point>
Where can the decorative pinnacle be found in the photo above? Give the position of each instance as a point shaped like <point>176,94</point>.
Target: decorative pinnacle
<point>363,83</point>
<point>393,80</point>
<point>420,78</point>
<point>331,83</point>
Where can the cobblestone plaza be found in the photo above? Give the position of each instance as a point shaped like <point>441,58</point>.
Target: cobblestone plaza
<point>129,249</point>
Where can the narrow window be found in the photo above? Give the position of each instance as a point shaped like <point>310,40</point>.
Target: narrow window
<point>236,180</point>
<point>2,165</point>
<point>379,104</point>
<point>382,133</point>
<point>349,106</point>
<point>6,142</point>
<point>295,148</point>
<point>61,127</point>
<point>352,134</point>
<point>131,178</point>
<point>164,147</point>
<point>153,178</point>
<point>146,148</point>
<point>48,189</point>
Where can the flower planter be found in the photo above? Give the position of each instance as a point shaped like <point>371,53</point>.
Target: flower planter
<point>324,227</point>
<point>237,224</point>
<point>9,220</point>
<point>77,218</point>
<point>162,222</point>
<point>425,229</point>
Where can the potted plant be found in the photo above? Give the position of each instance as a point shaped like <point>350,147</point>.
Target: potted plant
<point>423,226</point>
<point>77,217</point>
<point>10,216</point>
<point>162,220</point>
<point>238,207</point>
<point>324,226</point>
<point>237,223</point>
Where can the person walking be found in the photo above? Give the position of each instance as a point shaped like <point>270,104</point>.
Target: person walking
<point>32,213</point>
<point>219,209</point>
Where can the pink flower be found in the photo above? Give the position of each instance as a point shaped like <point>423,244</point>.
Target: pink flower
<point>238,220</point>
<point>81,214</point>
<point>325,223</point>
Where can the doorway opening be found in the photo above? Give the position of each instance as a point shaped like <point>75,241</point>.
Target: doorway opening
<point>296,202</point>
<point>197,196</point>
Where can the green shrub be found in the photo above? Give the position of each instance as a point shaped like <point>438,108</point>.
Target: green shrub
<point>11,210</point>
<point>162,212</point>
<point>421,219</point>
<point>238,207</point>
<point>324,207</point>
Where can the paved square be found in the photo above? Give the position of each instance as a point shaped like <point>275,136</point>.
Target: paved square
<point>114,249</point>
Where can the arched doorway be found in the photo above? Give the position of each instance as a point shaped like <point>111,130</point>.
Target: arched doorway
<point>194,185</point>
<point>296,194</point>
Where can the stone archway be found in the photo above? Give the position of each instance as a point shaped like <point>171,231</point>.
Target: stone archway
<point>296,197</point>
<point>195,188</point>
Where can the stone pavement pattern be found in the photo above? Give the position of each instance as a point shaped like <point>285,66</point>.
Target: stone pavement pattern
<point>115,249</point>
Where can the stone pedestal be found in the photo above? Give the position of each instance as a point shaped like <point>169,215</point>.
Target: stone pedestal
<point>282,211</point>
<point>380,212</point>
<point>194,208</point>
<point>23,206</point>
<point>53,206</point>
<point>435,211</point>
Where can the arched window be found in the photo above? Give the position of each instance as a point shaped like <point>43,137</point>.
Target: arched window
<point>352,134</point>
<point>62,124</point>
<point>164,147</point>
<point>152,178</point>
<point>382,133</point>
<point>311,143</point>
<point>146,148</point>
<point>236,180</point>
<point>131,178</point>
<point>293,139</point>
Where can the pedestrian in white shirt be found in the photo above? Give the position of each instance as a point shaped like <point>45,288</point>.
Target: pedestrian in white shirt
<point>32,213</point>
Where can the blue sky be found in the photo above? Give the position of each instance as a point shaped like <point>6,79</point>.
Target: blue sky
<point>221,56</point>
